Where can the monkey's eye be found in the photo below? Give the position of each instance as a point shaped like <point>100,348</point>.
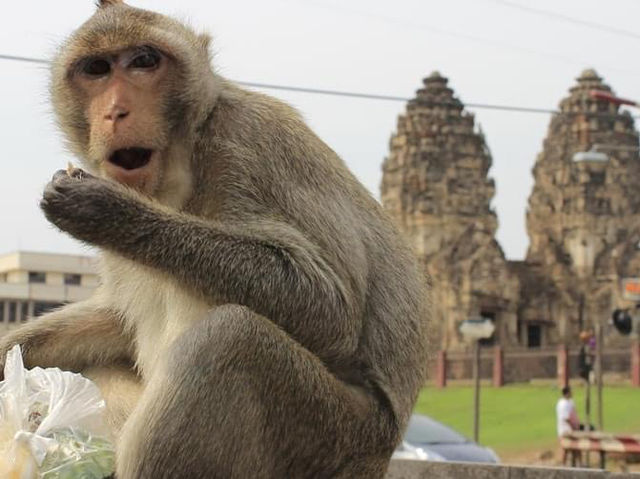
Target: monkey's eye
<point>146,60</point>
<point>96,67</point>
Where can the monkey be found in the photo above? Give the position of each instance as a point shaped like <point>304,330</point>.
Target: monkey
<point>258,315</point>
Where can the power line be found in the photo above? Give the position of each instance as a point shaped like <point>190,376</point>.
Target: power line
<point>370,96</point>
<point>365,96</point>
<point>569,19</point>
<point>23,59</point>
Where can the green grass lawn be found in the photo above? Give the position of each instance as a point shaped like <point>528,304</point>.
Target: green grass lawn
<point>522,417</point>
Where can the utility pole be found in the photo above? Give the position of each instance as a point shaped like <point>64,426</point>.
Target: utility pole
<point>476,390</point>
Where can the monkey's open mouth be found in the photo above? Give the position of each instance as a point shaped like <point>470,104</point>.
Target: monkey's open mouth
<point>131,158</point>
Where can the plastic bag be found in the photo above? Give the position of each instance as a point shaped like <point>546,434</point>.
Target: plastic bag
<point>51,424</point>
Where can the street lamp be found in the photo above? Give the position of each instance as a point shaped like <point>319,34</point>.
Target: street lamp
<point>474,330</point>
<point>594,154</point>
<point>590,156</point>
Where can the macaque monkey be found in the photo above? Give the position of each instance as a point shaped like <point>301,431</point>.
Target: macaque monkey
<point>272,317</point>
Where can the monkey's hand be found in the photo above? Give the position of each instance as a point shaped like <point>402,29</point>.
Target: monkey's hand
<point>85,206</point>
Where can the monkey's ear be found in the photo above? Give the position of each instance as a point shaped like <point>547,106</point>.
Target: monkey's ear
<point>107,3</point>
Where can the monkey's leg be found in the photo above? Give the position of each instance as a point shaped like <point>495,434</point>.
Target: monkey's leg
<point>121,388</point>
<point>74,337</point>
<point>236,397</point>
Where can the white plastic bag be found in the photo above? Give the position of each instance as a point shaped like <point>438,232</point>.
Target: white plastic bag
<point>51,424</point>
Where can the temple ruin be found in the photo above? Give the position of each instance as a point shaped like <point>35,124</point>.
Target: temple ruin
<point>436,189</point>
<point>582,218</point>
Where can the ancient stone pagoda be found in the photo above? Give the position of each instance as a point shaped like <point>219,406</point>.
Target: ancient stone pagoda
<point>435,187</point>
<point>583,217</point>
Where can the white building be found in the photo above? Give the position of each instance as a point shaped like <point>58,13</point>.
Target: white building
<point>34,283</point>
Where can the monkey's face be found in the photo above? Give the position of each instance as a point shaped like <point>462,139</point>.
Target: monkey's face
<point>123,96</point>
<point>131,89</point>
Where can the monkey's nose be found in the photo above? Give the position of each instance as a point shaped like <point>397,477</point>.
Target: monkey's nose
<point>116,113</point>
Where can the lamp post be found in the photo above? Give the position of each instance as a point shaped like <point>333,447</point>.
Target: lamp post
<point>474,330</point>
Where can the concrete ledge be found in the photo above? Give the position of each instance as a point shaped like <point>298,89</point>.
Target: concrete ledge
<point>402,469</point>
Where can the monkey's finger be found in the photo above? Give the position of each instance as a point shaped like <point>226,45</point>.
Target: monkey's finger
<point>49,194</point>
<point>82,174</point>
<point>55,190</point>
<point>59,176</point>
<point>78,174</point>
<point>50,190</point>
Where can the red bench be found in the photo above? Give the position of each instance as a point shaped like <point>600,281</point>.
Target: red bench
<point>600,442</point>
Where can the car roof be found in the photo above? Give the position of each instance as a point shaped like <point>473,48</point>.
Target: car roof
<point>425,430</point>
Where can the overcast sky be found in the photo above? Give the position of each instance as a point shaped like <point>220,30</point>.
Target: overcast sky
<point>491,52</point>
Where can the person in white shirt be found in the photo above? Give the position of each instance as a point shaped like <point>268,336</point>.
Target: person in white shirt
<point>567,419</point>
<point>566,413</point>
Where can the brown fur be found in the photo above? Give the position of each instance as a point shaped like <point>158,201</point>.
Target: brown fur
<point>274,315</point>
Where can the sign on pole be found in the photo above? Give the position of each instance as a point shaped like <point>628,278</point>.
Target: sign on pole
<point>631,289</point>
<point>477,328</point>
<point>474,330</point>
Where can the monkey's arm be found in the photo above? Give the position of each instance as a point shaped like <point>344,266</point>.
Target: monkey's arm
<point>265,265</point>
<point>76,336</point>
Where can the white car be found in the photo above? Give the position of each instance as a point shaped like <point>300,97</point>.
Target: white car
<point>430,440</point>
<point>407,451</point>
